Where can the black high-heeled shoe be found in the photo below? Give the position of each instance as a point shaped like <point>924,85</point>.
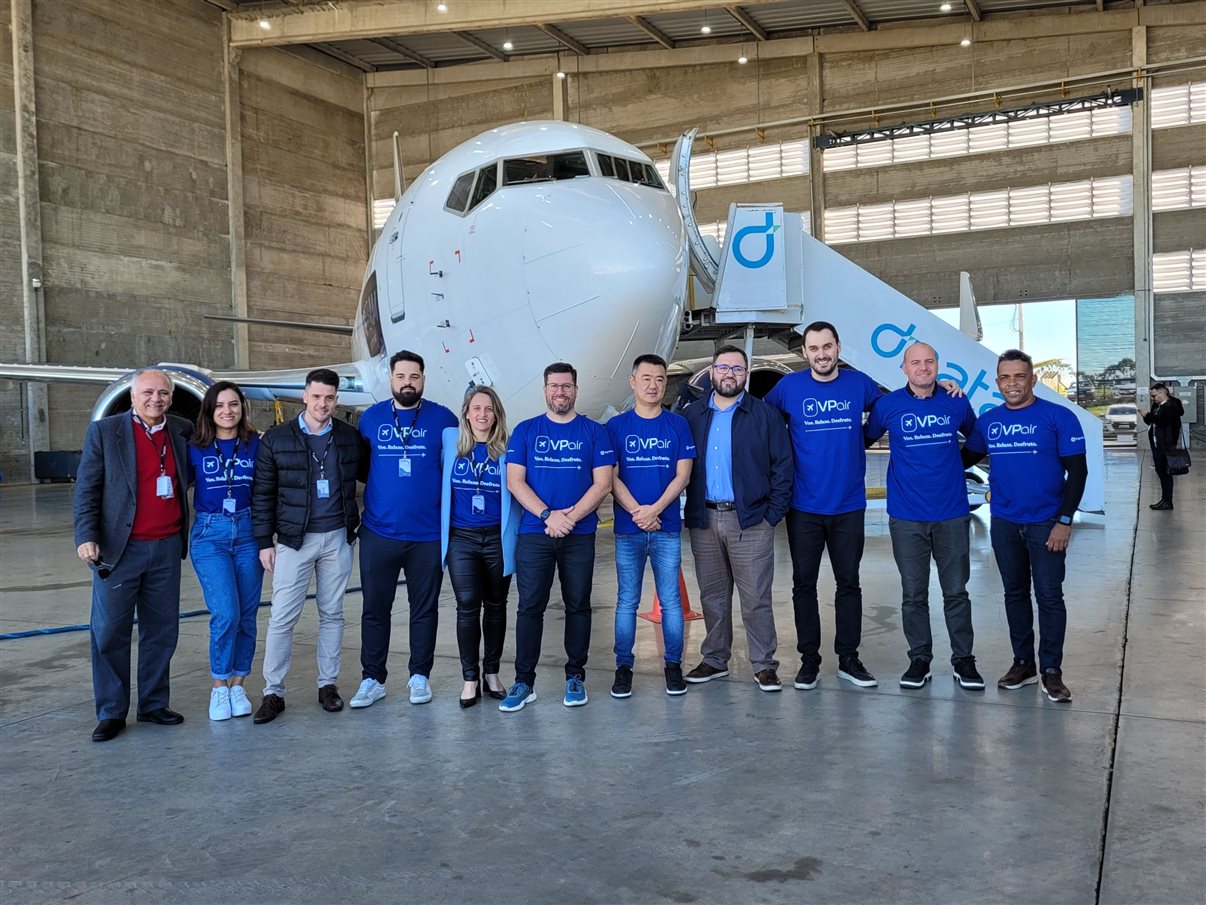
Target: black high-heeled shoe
<point>496,695</point>
<point>466,703</point>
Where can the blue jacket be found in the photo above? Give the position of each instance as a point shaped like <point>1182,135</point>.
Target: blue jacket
<point>510,507</point>
<point>762,463</point>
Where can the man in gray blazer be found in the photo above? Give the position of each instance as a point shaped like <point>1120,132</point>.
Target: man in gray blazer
<point>131,527</point>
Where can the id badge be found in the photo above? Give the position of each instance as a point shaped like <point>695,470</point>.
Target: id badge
<point>228,506</point>
<point>163,487</point>
<point>404,467</point>
<point>323,486</point>
<point>478,504</point>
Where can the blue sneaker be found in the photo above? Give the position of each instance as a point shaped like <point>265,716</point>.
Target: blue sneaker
<point>575,692</point>
<point>518,697</point>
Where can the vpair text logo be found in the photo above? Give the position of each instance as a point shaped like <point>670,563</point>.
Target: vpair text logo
<point>548,445</point>
<point>635,444</point>
<point>814,408</point>
<point>911,423</point>
<point>1000,431</point>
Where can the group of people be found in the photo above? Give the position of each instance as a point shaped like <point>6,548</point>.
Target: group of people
<point>466,495</point>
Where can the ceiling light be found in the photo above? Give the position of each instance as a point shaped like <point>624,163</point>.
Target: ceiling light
<point>441,7</point>
<point>966,42</point>
<point>265,24</point>
<point>743,59</point>
<point>944,8</point>
<point>705,29</point>
<point>507,45</point>
<point>560,74</point>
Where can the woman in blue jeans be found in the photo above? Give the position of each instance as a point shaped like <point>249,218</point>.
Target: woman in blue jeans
<point>479,520</point>
<point>224,553</point>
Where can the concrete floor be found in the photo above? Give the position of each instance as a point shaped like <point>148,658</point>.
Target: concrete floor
<point>727,794</point>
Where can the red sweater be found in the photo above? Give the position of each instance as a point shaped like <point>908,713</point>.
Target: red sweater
<point>154,518</point>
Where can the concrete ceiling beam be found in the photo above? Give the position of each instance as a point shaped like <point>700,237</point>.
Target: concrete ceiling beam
<point>563,39</point>
<point>858,16</point>
<point>488,49</point>
<point>402,50</point>
<point>973,8</point>
<point>747,21</point>
<point>652,30</point>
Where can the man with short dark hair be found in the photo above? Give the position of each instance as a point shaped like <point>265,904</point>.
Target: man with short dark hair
<point>654,451</point>
<point>1038,475</point>
<point>401,526</point>
<point>559,468</point>
<point>928,512</point>
<point>739,491</point>
<point>131,527</point>
<point>823,407</point>
<point>304,495</point>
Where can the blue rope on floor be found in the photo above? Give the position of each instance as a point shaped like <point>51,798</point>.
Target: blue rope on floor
<point>62,629</point>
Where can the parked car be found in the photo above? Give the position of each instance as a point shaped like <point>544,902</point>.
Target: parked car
<point>1121,419</point>
<point>1081,392</point>
<point>1124,390</point>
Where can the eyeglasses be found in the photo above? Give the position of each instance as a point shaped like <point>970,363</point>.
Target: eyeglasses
<point>562,387</point>
<point>735,370</point>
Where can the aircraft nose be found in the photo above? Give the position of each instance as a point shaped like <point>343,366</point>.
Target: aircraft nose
<point>611,266</point>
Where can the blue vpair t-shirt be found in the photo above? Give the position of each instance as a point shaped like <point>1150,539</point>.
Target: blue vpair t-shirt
<point>223,465</point>
<point>825,419</point>
<point>1025,475</point>
<point>648,451</point>
<point>402,494</point>
<point>560,460</point>
<point>925,471</point>
<point>476,478</point>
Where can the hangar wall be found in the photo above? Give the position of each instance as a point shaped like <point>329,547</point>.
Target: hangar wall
<point>132,156</point>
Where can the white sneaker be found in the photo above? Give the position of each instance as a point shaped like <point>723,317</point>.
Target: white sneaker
<point>369,692</point>
<point>420,691</point>
<point>219,703</point>
<point>239,705</point>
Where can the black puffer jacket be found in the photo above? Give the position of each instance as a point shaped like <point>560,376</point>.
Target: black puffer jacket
<point>1165,421</point>
<point>280,497</point>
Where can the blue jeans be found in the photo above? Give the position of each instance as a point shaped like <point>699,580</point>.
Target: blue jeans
<point>664,552</point>
<point>226,559</point>
<point>1022,558</point>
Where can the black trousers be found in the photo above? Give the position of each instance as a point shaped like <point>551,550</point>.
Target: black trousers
<point>475,566</point>
<point>1160,460</point>
<point>538,556</point>
<point>381,561</point>
<point>808,535</point>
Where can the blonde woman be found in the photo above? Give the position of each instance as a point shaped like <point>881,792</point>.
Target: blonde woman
<point>479,521</point>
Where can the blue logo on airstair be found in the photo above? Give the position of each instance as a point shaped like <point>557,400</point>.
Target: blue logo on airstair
<point>768,229</point>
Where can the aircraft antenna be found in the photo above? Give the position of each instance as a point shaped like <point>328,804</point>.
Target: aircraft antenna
<point>399,176</point>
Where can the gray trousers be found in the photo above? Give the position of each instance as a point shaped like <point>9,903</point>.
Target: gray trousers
<point>913,543</point>
<point>726,555</point>
<point>329,556</point>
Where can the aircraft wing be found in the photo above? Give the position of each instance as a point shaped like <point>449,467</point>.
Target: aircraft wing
<point>285,385</point>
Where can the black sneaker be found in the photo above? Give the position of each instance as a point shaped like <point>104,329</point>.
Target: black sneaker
<point>1053,685</point>
<point>965,672</point>
<point>916,675</point>
<point>807,677</point>
<point>852,670</point>
<point>622,686</point>
<point>1020,674</point>
<point>675,684</point>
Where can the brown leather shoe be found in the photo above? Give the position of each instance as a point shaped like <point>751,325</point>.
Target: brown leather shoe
<point>272,707</point>
<point>768,680</point>
<point>1053,684</point>
<point>705,673</point>
<point>329,697</point>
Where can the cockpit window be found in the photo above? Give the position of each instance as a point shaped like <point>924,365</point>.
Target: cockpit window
<point>370,317</point>
<point>460,193</point>
<point>545,168</point>
<point>629,171</point>
<point>487,182</point>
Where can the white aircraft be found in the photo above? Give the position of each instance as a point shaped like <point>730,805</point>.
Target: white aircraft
<point>531,243</point>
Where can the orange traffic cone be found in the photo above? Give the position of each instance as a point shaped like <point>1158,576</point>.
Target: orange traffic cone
<point>655,614</point>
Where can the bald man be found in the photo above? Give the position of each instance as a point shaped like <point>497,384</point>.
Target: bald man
<point>928,513</point>
<point>131,528</point>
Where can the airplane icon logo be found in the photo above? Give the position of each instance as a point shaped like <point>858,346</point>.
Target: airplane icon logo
<point>210,465</point>
<point>542,444</point>
<point>994,432</point>
<point>385,433</point>
<point>461,467</point>
<point>632,443</point>
<point>810,408</point>
<point>908,423</point>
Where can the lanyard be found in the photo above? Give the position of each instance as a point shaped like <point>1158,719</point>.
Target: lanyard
<point>478,468</point>
<point>405,438</point>
<point>322,463</point>
<point>228,466</point>
<point>162,449</point>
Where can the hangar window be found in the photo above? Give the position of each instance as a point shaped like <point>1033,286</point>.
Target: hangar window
<point>545,168</point>
<point>487,182</point>
<point>460,193</point>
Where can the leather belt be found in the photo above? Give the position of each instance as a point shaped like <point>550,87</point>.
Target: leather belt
<point>721,507</point>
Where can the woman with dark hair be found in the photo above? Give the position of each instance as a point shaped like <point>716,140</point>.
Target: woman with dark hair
<point>1164,420</point>
<point>479,521</point>
<point>225,555</point>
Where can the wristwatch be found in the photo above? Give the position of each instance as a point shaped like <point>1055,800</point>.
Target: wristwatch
<point>1066,520</point>
<point>544,516</point>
